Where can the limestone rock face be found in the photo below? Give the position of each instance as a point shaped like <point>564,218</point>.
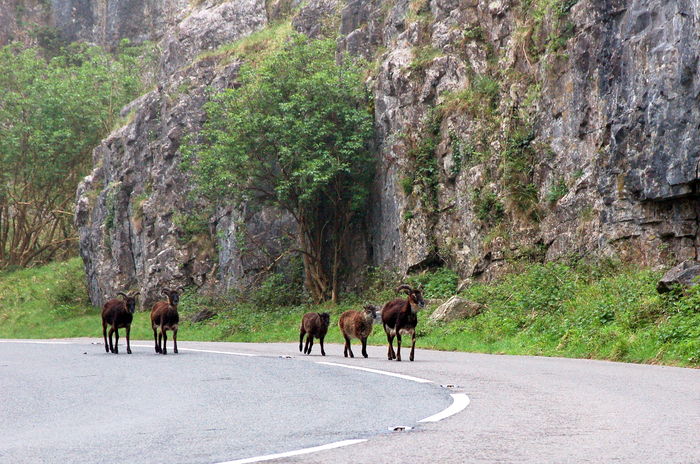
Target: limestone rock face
<point>456,308</point>
<point>606,99</point>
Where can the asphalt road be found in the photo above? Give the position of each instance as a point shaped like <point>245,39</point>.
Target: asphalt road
<point>74,403</point>
<point>522,409</point>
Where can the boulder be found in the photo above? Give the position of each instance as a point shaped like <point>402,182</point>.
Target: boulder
<point>202,315</point>
<point>684,274</point>
<point>456,308</point>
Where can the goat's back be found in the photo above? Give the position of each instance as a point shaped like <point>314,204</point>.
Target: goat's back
<point>312,324</point>
<point>391,312</point>
<point>114,313</point>
<point>355,324</point>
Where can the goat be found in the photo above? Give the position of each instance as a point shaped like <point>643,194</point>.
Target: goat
<point>164,317</point>
<point>118,314</point>
<point>313,325</point>
<point>400,317</point>
<point>357,324</point>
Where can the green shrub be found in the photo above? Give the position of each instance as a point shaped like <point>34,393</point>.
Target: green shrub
<point>438,283</point>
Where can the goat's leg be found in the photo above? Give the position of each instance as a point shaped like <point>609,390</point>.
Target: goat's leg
<point>111,347</point>
<point>165,339</point>
<point>390,353</point>
<point>348,347</point>
<point>364,346</point>
<point>323,352</point>
<point>413,344</point>
<point>398,346</point>
<point>116,341</point>
<point>301,338</point>
<point>310,339</point>
<point>104,334</point>
<point>155,339</point>
<point>175,341</point>
<point>128,344</point>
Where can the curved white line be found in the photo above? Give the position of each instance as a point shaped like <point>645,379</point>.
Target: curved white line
<point>459,402</point>
<point>288,454</point>
<point>377,371</point>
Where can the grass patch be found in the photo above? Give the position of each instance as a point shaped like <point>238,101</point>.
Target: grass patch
<point>600,311</point>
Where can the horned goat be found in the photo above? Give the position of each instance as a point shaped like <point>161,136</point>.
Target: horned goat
<point>164,317</point>
<point>118,314</point>
<point>400,318</point>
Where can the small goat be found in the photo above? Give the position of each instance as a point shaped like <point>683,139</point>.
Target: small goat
<point>357,324</point>
<point>118,314</point>
<point>400,318</point>
<point>313,325</point>
<point>164,317</point>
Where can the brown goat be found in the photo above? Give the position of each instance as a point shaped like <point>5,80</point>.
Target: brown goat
<point>118,314</point>
<point>313,325</point>
<point>164,317</point>
<point>400,318</point>
<point>357,324</point>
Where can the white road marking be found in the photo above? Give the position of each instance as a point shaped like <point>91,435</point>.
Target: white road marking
<point>232,353</point>
<point>459,402</point>
<point>377,371</point>
<point>289,454</point>
<point>37,342</point>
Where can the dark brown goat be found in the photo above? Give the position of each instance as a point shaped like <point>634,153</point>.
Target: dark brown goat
<point>164,317</point>
<point>313,325</point>
<point>118,314</point>
<point>357,324</point>
<point>400,318</point>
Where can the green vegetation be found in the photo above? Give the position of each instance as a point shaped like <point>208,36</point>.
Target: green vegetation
<point>56,106</point>
<point>599,311</point>
<point>295,136</point>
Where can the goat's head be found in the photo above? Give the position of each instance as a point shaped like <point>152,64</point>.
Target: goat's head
<point>415,296</point>
<point>325,319</point>
<point>173,295</point>
<point>129,301</point>
<point>371,311</point>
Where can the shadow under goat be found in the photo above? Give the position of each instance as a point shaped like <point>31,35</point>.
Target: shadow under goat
<point>164,317</point>
<point>400,317</point>
<point>357,324</point>
<point>118,314</point>
<point>313,325</point>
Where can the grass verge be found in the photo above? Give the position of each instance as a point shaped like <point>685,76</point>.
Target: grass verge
<point>602,311</point>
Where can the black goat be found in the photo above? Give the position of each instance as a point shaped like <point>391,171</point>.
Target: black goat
<point>164,317</point>
<point>313,325</point>
<point>118,314</point>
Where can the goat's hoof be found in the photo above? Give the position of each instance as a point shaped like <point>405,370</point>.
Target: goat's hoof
<point>175,351</point>
<point>128,351</point>
<point>365,355</point>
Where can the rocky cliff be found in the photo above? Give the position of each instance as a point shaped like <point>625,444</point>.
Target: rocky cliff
<point>505,129</point>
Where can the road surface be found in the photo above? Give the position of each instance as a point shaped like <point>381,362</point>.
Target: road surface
<point>521,410</point>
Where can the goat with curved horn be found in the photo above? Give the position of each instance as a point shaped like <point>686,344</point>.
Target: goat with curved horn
<point>400,318</point>
<point>118,314</point>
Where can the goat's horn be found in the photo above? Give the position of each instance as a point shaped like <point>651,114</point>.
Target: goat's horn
<point>181,289</point>
<point>122,294</point>
<point>135,294</point>
<point>165,291</point>
<point>404,287</point>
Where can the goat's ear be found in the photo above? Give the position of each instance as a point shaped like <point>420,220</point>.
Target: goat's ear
<point>181,289</point>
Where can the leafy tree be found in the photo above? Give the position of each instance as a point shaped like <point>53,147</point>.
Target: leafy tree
<point>53,112</point>
<point>295,135</point>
